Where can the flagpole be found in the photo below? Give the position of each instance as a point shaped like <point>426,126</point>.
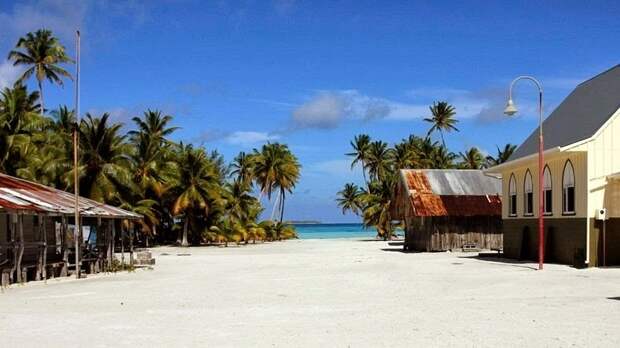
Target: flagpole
<point>76,182</point>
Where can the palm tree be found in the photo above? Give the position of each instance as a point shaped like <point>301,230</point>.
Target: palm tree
<point>442,119</point>
<point>361,145</point>
<point>442,158</point>
<point>404,156</point>
<point>242,168</point>
<point>377,203</point>
<point>154,125</point>
<point>502,155</point>
<point>349,199</point>
<point>105,161</point>
<point>379,161</point>
<point>146,208</point>
<point>276,168</point>
<point>471,159</point>
<point>196,185</point>
<point>239,202</point>
<point>19,119</point>
<point>42,53</point>
<point>282,230</point>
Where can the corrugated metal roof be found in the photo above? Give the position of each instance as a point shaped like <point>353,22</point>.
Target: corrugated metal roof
<point>434,192</point>
<point>453,182</point>
<point>22,195</point>
<point>580,115</point>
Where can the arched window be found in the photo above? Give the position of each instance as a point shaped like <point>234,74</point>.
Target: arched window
<point>528,194</point>
<point>548,191</point>
<point>512,192</point>
<point>568,189</point>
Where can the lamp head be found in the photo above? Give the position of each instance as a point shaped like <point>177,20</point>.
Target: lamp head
<point>510,109</point>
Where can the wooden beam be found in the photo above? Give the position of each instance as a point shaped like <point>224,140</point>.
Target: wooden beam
<point>112,230</point>
<point>44,273</point>
<point>12,224</point>
<point>131,232</point>
<point>65,250</point>
<point>100,257</point>
<point>20,252</point>
<point>122,243</point>
<point>38,236</point>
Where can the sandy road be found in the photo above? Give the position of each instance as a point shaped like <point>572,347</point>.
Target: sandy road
<point>331,293</point>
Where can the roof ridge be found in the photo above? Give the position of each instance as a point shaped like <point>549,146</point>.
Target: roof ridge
<point>599,74</point>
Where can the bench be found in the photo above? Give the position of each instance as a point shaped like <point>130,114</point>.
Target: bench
<point>470,247</point>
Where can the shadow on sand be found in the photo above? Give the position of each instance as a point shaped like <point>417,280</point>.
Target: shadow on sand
<point>493,257</point>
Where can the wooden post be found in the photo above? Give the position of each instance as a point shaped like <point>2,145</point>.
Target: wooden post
<point>131,232</point>
<point>13,219</point>
<point>65,250</point>
<point>111,244</point>
<point>39,271</point>
<point>20,252</point>
<point>100,258</point>
<point>44,220</point>
<point>122,244</point>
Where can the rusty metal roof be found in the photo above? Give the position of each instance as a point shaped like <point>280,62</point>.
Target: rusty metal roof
<point>434,192</point>
<point>26,196</point>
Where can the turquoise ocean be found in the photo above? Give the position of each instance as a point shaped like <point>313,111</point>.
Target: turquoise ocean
<point>330,231</point>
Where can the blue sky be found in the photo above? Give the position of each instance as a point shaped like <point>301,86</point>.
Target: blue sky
<point>313,74</point>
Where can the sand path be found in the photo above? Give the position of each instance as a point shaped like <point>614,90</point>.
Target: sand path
<point>330,293</point>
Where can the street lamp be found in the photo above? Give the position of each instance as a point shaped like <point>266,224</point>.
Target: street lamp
<point>510,110</point>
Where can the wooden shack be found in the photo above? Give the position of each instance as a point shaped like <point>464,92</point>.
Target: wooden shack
<point>37,232</point>
<point>449,209</point>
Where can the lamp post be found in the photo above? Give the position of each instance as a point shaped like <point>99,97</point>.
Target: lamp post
<point>510,110</point>
<point>77,232</point>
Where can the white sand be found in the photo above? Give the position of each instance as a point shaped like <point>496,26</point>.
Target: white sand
<point>318,293</point>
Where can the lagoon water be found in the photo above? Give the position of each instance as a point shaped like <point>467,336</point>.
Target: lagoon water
<point>331,231</point>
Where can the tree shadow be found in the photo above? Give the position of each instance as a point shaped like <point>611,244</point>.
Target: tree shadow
<point>617,298</point>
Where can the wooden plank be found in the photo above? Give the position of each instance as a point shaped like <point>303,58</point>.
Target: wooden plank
<point>20,251</point>
<point>65,250</point>
<point>112,235</point>
<point>131,233</point>
<point>43,223</point>
<point>122,243</point>
<point>12,224</point>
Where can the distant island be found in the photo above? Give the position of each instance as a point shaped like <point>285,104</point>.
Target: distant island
<point>304,222</point>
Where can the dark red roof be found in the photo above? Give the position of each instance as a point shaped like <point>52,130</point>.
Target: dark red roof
<point>427,203</point>
<point>26,196</point>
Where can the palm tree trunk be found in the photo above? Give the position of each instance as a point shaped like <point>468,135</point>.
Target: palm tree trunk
<point>282,205</point>
<point>364,173</point>
<point>184,243</point>
<point>41,98</point>
<point>442,139</point>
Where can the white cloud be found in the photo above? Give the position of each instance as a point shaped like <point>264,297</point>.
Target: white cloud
<point>248,138</point>
<point>64,17</point>
<point>328,109</point>
<point>8,74</point>
<point>61,16</point>
<point>323,111</point>
<point>403,111</point>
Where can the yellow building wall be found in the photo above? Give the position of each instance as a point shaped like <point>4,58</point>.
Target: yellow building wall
<point>556,163</point>
<point>603,161</point>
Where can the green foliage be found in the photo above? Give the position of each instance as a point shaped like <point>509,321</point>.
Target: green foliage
<point>502,155</point>
<point>382,164</point>
<point>471,159</point>
<point>42,55</point>
<point>184,193</point>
